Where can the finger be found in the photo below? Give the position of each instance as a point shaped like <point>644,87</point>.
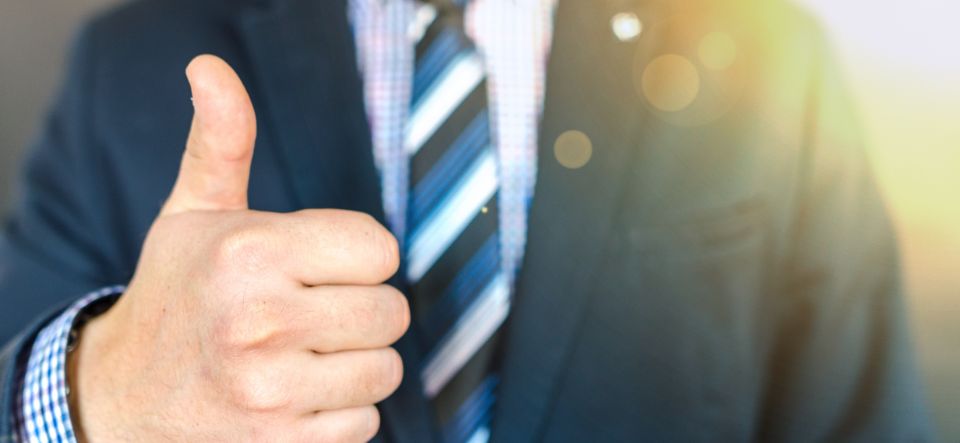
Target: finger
<point>343,379</point>
<point>341,318</point>
<point>342,425</point>
<point>215,168</point>
<point>321,247</point>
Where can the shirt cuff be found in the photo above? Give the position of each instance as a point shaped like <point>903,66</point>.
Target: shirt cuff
<point>43,412</point>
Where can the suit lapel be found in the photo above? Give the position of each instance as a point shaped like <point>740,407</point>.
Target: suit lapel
<point>589,89</point>
<point>304,60</point>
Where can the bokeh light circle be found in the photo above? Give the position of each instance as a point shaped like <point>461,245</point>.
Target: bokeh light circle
<point>573,149</point>
<point>670,82</point>
<point>717,51</point>
<point>626,26</point>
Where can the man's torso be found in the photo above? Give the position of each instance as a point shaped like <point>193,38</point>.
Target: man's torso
<point>647,303</point>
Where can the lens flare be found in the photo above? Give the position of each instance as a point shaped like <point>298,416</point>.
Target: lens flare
<point>573,149</point>
<point>670,83</point>
<point>717,51</point>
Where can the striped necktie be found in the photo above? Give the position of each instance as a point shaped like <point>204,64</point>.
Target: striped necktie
<point>459,290</point>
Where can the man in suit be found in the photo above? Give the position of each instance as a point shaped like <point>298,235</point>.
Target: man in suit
<point>608,226</point>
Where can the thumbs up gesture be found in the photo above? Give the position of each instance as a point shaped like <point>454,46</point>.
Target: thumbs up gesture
<point>241,325</point>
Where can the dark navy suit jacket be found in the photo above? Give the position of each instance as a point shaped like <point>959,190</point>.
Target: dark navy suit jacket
<point>721,273</point>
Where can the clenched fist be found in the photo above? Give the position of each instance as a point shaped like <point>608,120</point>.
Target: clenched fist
<point>242,325</point>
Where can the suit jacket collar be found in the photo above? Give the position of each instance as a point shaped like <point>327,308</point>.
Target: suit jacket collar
<point>589,89</point>
<point>304,59</point>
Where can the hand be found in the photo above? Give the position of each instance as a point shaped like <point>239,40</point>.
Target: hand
<point>242,325</point>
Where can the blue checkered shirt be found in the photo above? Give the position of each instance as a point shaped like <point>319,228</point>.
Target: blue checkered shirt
<point>43,413</point>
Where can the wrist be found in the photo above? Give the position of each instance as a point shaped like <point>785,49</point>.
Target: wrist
<point>87,356</point>
<point>93,409</point>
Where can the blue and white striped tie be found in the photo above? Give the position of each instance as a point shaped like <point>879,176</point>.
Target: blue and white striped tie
<point>460,293</point>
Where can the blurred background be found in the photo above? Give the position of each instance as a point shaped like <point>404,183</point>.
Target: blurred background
<point>902,63</point>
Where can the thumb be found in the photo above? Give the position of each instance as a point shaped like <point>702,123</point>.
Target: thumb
<point>216,163</point>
